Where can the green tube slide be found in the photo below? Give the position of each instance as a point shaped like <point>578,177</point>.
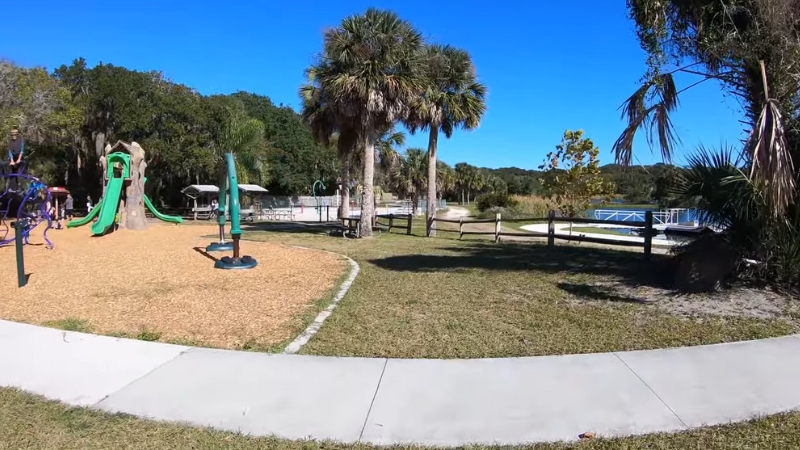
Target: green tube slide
<point>109,208</point>
<point>84,220</point>
<point>158,215</point>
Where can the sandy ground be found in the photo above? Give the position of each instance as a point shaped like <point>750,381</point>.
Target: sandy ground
<point>154,280</point>
<point>455,213</point>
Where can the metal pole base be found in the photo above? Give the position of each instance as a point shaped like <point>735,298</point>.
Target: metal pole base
<point>220,247</point>
<point>228,263</point>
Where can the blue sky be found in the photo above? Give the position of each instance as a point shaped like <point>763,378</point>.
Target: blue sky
<point>549,66</point>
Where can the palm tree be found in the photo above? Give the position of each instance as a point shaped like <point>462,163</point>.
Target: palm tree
<point>409,175</point>
<point>386,155</point>
<point>244,137</point>
<point>445,179</point>
<point>369,74</point>
<point>329,128</point>
<point>462,173</point>
<point>752,50</point>
<point>452,98</point>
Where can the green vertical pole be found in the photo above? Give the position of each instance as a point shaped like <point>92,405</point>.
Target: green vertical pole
<point>233,187</point>
<point>19,228</point>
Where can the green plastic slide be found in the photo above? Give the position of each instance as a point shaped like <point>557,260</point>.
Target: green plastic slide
<point>84,220</point>
<point>109,207</point>
<point>164,217</point>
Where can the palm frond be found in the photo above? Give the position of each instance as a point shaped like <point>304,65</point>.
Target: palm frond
<point>721,191</point>
<point>653,118</point>
<point>772,166</point>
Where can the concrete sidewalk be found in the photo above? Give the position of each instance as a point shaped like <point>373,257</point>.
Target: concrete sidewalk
<point>442,402</point>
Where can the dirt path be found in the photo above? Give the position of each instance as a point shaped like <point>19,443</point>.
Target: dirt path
<point>455,213</point>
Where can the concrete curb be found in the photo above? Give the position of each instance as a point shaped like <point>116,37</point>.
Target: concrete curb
<point>312,329</point>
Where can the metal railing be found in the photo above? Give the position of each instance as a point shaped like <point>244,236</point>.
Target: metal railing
<point>671,216</point>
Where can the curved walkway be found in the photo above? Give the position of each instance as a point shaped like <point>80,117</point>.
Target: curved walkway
<point>442,402</point>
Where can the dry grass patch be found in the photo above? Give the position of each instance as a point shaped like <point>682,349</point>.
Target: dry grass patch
<point>158,282</point>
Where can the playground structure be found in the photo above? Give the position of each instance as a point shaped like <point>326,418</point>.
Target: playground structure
<point>229,197</point>
<point>123,200</point>
<point>20,203</point>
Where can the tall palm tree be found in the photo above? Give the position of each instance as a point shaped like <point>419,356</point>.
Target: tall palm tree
<point>369,72</point>
<point>409,175</point>
<point>452,98</point>
<point>386,155</point>
<point>330,128</point>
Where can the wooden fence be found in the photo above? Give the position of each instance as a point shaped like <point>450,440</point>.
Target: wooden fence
<point>391,218</point>
<point>551,235</point>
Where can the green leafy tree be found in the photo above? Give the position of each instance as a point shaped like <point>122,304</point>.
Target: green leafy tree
<point>369,74</point>
<point>577,178</point>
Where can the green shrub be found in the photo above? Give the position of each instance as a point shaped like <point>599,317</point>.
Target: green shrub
<point>494,200</point>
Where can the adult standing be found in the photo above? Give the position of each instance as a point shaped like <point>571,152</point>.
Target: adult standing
<point>16,148</point>
<point>69,204</point>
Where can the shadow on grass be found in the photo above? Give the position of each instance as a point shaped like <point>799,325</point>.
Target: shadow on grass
<point>589,292</point>
<point>626,267</point>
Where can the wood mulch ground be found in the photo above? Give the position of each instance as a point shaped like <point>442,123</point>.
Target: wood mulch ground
<point>156,282</point>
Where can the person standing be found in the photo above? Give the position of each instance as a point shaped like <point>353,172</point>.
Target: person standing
<point>69,204</point>
<point>16,147</point>
<point>89,205</point>
<point>214,208</point>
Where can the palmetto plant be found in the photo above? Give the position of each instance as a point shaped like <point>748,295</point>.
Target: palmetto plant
<point>367,78</point>
<point>452,98</point>
<point>716,181</point>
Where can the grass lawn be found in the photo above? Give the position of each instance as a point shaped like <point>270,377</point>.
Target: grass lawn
<point>29,422</point>
<point>444,298</point>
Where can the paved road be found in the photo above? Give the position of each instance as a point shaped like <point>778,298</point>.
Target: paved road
<point>442,402</point>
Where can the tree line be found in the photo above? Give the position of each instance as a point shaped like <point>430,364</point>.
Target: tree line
<point>70,114</point>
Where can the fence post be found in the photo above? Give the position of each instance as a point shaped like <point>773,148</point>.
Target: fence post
<point>648,234</point>
<point>328,213</point>
<point>391,222</point>
<point>551,228</point>
<point>408,229</point>
<point>497,227</point>
<point>460,228</point>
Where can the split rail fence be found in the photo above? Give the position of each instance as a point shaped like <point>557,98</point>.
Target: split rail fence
<point>551,235</point>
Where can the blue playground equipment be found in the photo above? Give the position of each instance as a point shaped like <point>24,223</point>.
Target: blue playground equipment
<point>24,203</point>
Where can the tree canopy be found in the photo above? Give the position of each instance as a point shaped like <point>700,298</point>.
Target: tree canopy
<point>68,115</point>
